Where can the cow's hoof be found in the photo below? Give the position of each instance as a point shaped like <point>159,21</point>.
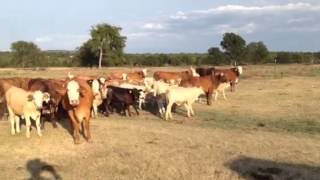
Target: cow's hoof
<point>40,134</point>
<point>13,133</point>
<point>89,141</point>
<point>28,136</point>
<point>55,126</point>
<point>77,142</point>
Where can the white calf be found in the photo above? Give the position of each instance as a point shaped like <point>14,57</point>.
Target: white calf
<point>159,90</point>
<point>221,88</point>
<point>148,82</point>
<point>21,103</point>
<point>181,95</point>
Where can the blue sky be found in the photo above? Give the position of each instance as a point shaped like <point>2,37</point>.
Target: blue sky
<point>163,25</point>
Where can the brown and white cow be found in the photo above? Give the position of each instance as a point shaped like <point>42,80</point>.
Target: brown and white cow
<point>208,83</point>
<point>175,76</point>
<point>136,76</point>
<point>14,81</point>
<point>99,88</point>
<point>78,103</point>
<point>232,75</point>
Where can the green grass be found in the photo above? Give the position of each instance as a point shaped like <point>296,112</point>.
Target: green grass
<point>250,122</point>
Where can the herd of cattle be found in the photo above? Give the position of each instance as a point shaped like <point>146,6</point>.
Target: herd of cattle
<point>82,97</point>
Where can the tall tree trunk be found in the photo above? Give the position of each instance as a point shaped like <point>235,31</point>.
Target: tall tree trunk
<point>100,57</point>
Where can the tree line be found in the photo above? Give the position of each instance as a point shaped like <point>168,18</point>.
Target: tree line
<point>105,48</point>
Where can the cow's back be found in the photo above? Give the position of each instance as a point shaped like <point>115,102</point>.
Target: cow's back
<point>16,98</point>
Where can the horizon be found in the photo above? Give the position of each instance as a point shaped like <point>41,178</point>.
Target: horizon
<point>178,26</point>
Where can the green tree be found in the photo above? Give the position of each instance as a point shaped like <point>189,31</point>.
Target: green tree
<point>107,41</point>
<point>25,53</point>
<point>86,55</point>
<point>234,46</point>
<point>284,57</point>
<point>216,57</point>
<point>256,52</point>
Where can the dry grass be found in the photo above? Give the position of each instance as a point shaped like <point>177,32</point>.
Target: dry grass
<point>269,128</point>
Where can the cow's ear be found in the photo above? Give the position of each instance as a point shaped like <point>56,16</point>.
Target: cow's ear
<point>90,82</point>
<point>30,97</point>
<point>82,92</point>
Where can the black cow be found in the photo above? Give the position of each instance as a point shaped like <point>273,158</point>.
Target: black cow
<point>204,71</point>
<point>50,109</point>
<point>122,98</point>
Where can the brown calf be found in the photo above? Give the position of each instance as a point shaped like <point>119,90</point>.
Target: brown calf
<point>174,76</point>
<point>232,75</point>
<point>208,83</point>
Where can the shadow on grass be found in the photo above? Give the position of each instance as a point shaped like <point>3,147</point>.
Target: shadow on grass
<point>37,168</point>
<point>259,169</point>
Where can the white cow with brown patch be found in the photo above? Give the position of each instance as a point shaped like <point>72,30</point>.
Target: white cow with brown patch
<point>21,103</point>
<point>99,90</point>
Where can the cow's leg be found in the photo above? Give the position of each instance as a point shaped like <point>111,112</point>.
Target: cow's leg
<point>28,125</point>
<point>135,108</point>
<point>191,109</point>
<point>168,111</point>
<point>216,95</point>
<point>17,119</point>
<point>75,127</point>
<point>38,124</point>
<point>11,119</point>
<point>106,108</point>
<point>159,105</point>
<point>94,111</point>
<point>140,104</point>
<point>87,132</point>
<point>42,121</point>
<point>224,95</point>
<point>13,131</point>
<point>128,108</point>
<point>188,109</point>
<point>209,98</point>
<point>53,119</point>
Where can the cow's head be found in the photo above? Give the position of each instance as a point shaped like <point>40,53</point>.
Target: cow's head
<point>194,73</point>
<point>73,92</point>
<point>238,70</point>
<point>102,80</point>
<point>38,98</point>
<point>144,71</point>
<point>46,97</point>
<point>95,86</point>
<point>220,76</point>
<point>103,87</point>
<point>136,93</point>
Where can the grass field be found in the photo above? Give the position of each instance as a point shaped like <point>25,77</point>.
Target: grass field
<point>268,129</point>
